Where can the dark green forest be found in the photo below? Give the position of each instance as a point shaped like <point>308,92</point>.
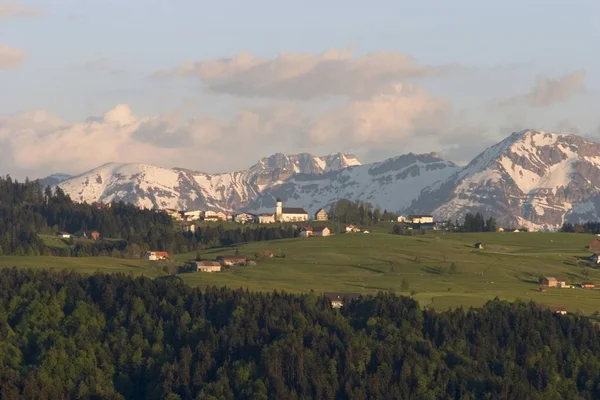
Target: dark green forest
<point>27,209</point>
<point>67,336</point>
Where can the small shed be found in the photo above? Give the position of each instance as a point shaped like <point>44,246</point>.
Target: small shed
<point>549,281</point>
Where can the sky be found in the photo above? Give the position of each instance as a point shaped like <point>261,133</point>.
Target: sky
<point>215,86</point>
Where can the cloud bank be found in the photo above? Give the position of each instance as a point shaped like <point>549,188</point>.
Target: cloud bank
<point>11,57</point>
<point>547,91</point>
<point>306,76</point>
<point>16,9</point>
<point>37,143</point>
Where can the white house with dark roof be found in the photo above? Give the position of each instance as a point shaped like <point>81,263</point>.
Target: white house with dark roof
<point>289,214</point>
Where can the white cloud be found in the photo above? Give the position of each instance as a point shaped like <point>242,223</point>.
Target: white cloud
<point>15,9</point>
<point>11,57</point>
<point>547,91</point>
<point>304,75</point>
<point>37,143</point>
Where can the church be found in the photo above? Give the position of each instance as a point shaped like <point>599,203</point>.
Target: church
<point>289,214</point>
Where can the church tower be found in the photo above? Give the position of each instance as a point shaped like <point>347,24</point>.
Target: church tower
<point>278,210</point>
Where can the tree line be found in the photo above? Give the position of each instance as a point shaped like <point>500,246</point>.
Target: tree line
<point>27,209</point>
<point>588,227</point>
<point>358,213</point>
<point>66,336</point>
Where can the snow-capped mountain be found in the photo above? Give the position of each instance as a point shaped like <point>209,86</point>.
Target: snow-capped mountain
<point>54,179</point>
<point>150,186</point>
<point>392,184</point>
<point>531,178</point>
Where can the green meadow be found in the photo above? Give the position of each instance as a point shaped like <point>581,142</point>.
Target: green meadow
<point>439,270</point>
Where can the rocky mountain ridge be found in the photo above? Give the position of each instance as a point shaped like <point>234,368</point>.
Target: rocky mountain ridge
<point>531,178</point>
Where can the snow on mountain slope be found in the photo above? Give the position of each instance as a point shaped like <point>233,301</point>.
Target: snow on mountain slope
<point>150,186</point>
<point>532,178</point>
<point>392,184</point>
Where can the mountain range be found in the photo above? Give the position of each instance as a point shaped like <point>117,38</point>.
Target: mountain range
<point>531,178</point>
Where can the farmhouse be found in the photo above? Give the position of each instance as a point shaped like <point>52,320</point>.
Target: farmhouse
<point>93,235</point>
<point>559,310</point>
<point>549,281</point>
<point>63,235</point>
<point>321,215</point>
<point>338,299</point>
<point>192,215</point>
<point>321,231</point>
<point>306,232</point>
<point>156,255</point>
<point>243,218</point>
<point>231,260</point>
<point>587,285</point>
<point>175,214</point>
<point>352,229</point>
<point>206,266</point>
<point>266,218</point>
<point>289,214</point>
<point>420,219</point>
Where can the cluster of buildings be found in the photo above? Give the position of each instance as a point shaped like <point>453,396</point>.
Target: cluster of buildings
<point>92,235</point>
<point>423,222</point>
<point>550,281</point>
<point>280,214</point>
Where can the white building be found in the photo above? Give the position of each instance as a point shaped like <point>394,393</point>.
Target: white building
<point>206,266</point>
<point>289,214</point>
<point>321,231</point>
<point>64,235</point>
<point>192,215</point>
<point>156,255</point>
<point>266,218</point>
<point>420,219</point>
<point>243,218</point>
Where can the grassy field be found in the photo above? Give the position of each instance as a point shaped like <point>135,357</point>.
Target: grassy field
<point>508,267</point>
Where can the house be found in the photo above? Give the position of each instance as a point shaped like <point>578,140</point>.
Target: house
<point>93,235</point>
<point>352,229</point>
<point>266,218</point>
<point>500,230</point>
<point>594,244</point>
<point>321,231</point>
<point>338,299</point>
<point>321,215</point>
<point>63,235</point>
<point>175,214</point>
<point>549,281</point>
<point>156,255</point>
<point>559,310</point>
<point>561,284</point>
<point>192,215</point>
<point>479,245</point>
<point>289,214</point>
<point>587,285</point>
<point>306,232</point>
<point>243,218</point>
<point>420,219</point>
<point>221,216</point>
<point>206,266</point>
<point>231,260</point>
<point>401,218</point>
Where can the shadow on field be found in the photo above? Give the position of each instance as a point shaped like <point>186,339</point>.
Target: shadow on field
<point>432,270</point>
<point>364,267</point>
<point>382,289</point>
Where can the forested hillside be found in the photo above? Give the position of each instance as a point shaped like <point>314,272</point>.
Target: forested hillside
<point>27,209</point>
<point>110,336</point>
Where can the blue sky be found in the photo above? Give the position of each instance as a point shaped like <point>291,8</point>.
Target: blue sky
<point>478,71</point>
